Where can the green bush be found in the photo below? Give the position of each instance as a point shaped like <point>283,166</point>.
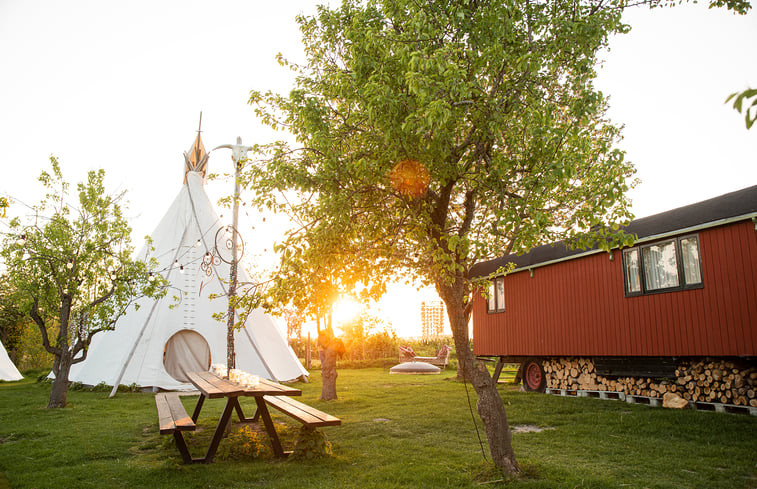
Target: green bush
<point>311,443</point>
<point>133,387</point>
<point>382,344</point>
<point>368,363</point>
<point>244,444</point>
<point>430,347</point>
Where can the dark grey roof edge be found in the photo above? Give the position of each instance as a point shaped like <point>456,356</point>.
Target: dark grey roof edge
<point>727,206</point>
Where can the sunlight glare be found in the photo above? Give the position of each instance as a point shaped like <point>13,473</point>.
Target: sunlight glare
<point>346,309</point>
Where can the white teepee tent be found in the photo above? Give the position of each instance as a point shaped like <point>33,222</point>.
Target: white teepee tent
<point>8,371</point>
<point>154,345</point>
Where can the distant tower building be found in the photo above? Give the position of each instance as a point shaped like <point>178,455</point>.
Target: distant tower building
<point>433,319</point>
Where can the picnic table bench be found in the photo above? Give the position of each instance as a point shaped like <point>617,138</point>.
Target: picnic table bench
<point>173,419</point>
<point>307,415</point>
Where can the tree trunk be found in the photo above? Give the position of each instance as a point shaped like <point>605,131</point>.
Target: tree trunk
<point>329,348</point>
<point>460,373</point>
<point>490,407</point>
<point>60,383</point>
<point>328,373</point>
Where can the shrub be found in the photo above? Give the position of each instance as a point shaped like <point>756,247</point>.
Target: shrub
<point>311,443</point>
<point>382,344</point>
<point>245,443</point>
<point>368,363</point>
<point>430,347</point>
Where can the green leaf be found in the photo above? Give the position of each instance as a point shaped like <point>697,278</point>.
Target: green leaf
<point>738,104</point>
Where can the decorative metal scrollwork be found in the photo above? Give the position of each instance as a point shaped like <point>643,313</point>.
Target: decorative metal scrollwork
<point>209,261</point>
<point>224,244</point>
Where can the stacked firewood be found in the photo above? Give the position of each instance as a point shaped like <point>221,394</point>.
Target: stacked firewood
<point>718,381</point>
<point>576,374</point>
<point>703,381</point>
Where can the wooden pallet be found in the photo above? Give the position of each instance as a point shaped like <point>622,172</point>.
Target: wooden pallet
<point>616,396</point>
<point>653,401</point>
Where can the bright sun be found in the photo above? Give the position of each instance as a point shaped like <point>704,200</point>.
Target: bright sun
<point>345,309</point>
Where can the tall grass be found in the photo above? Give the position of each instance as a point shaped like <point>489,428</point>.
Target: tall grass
<point>398,431</point>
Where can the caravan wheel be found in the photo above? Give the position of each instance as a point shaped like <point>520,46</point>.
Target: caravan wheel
<point>533,375</point>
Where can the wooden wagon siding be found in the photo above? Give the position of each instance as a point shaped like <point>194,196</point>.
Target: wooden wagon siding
<point>578,307</point>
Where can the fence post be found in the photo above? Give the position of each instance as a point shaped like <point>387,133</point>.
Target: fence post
<point>307,353</point>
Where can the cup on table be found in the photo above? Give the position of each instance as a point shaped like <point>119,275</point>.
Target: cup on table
<point>218,369</point>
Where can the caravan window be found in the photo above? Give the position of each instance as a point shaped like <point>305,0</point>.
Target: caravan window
<point>500,293</point>
<point>692,269</point>
<point>660,266</point>
<point>664,266</point>
<point>495,301</point>
<point>631,270</point>
<point>491,302</point>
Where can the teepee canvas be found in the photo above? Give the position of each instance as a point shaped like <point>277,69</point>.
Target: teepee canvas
<point>8,371</point>
<point>155,344</point>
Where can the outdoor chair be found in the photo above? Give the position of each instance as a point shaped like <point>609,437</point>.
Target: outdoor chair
<point>440,360</point>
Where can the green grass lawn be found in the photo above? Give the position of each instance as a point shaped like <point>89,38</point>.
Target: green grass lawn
<point>398,431</point>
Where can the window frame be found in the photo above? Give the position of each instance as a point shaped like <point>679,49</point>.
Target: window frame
<point>682,284</point>
<point>493,296</point>
<point>491,299</point>
<point>700,284</point>
<point>637,252</point>
<point>643,271</point>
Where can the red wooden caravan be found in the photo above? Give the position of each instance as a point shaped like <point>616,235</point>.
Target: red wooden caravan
<point>685,291</point>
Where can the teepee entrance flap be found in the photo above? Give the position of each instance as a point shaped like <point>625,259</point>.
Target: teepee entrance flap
<point>186,351</point>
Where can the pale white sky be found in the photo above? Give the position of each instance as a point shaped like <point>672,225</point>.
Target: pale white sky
<point>120,85</point>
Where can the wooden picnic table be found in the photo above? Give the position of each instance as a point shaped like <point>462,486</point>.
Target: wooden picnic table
<point>211,386</point>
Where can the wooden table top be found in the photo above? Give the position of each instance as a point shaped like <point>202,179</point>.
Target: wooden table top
<point>212,386</point>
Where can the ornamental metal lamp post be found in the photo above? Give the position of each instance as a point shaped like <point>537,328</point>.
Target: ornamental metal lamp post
<point>238,155</point>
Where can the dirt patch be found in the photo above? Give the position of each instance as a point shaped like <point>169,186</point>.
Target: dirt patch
<point>528,428</point>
